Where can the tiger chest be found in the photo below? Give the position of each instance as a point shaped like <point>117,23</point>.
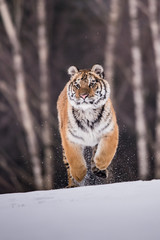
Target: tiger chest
<point>87,128</point>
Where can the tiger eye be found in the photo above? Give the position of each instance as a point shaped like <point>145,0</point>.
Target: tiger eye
<point>92,84</point>
<point>77,85</point>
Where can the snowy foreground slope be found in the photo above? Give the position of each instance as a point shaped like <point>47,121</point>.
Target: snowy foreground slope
<point>116,211</point>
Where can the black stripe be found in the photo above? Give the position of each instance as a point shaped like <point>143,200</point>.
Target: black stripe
<point>70,90</point>
<point>101,96</point>
<point>67,165</point>
<point>101,88</point>
<point>105,90</point>
<point>109,115</point>
<point>77,121</point>
<point>110,120</point>
<point>75,135</point>
<point>84,77</point>
<point>91,124</point>
<point>99,115</point>
<point>98,101</point>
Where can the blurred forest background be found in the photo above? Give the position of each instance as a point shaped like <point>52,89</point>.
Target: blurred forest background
<point>39,40</point>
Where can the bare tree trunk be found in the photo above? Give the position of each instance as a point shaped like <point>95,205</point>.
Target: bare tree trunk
<point>111,42</point>
<point>18,14</point>
<point>22,95</point>
<point>44,82</point>
<point>141,128</point>
<point>153,6</point>
<point>12,175</point>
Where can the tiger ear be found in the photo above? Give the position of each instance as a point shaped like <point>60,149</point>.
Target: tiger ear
<point>72,70</point>
<point>98,69</point>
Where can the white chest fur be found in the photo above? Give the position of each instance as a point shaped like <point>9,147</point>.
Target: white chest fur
<point>88,127</point>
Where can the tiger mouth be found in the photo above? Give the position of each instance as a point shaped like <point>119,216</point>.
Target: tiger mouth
<point>85,102</point>
<point>81,101</point>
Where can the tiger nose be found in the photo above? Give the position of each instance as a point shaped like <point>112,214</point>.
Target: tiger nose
<point>84,96</point>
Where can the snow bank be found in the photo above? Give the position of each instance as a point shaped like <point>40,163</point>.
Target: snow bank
<point>122,211</point>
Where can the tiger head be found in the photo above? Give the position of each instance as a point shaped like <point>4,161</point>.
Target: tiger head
<point>87,88</point>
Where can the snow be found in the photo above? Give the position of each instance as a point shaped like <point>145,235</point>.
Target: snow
<point>115,211</point>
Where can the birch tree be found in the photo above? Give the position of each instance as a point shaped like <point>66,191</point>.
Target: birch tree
<point>152,13</point>
<point>44,104</point>
<point>140,123</point>
<point>21,93</point>
<point>18,14</point>
<point>112,29</point>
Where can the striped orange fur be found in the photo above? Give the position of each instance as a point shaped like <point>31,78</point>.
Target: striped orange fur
<point>86,118</point>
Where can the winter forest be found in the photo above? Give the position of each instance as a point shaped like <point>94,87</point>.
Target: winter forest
<point>39,40</point>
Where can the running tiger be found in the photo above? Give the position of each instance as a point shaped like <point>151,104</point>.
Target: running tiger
<point>87,118</point>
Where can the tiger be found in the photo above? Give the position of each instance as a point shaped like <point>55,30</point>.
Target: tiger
<point>87,119</point>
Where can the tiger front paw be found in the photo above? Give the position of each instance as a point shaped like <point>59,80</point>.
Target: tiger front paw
<point>102,163</point>
<point>79,173</point>
<point>99,173</point>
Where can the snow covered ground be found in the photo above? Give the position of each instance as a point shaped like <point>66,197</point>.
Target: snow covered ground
<point>121,211</point>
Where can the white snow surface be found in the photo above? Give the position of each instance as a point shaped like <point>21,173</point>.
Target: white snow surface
<point>120,211</point>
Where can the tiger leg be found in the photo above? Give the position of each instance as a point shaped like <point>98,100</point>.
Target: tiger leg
<point>106,150</point>
<point>70,180</point>
<point>95,170</point>
<point>77,165</point>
